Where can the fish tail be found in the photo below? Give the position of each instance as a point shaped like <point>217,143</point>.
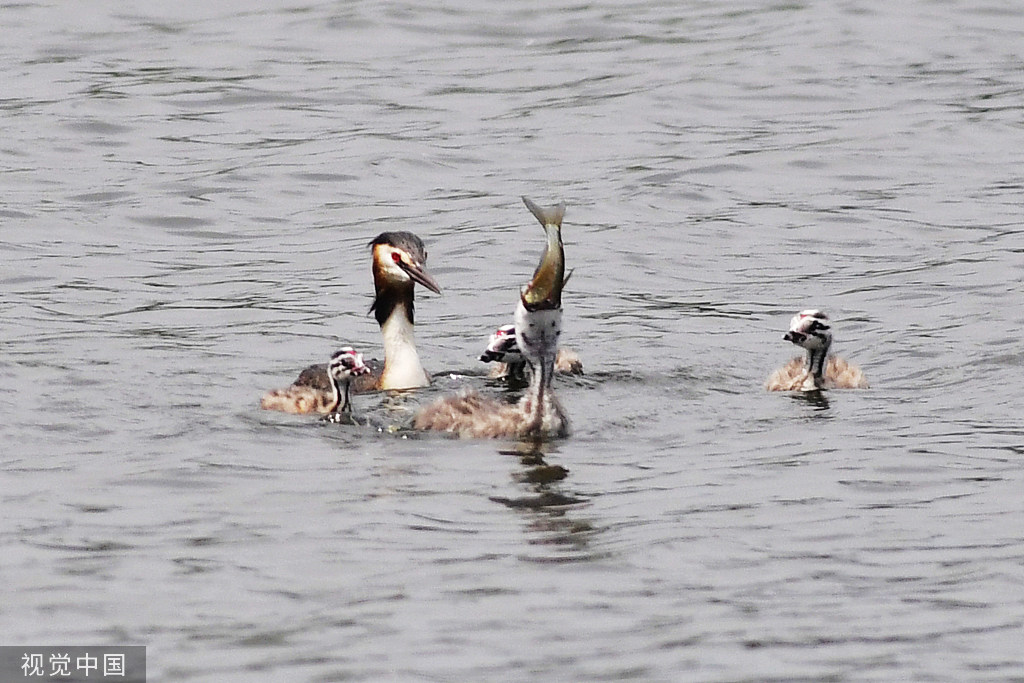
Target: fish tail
<point>551,215</point>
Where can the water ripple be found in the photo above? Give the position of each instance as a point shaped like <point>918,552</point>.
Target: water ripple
<point>190,193</point>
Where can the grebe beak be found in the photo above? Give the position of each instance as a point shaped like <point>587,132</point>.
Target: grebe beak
<point>418,274</point>
<point>795,337</point>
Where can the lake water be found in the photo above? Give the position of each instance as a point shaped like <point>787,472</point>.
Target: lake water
<point>189,189</point>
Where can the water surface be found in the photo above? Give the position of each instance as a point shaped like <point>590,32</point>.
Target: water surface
<point>189,191</point>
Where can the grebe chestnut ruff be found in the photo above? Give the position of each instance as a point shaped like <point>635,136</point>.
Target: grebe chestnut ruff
<point>810,329</point>
<point>538,326</point>
<point>399,260</point>
<point>503,350</point>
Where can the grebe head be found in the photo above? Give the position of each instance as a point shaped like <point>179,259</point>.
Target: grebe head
<point>346,363</point>
<point>810,329</point>
<point>502,348</point>
<point>399,261</point>
<point>399,258</point>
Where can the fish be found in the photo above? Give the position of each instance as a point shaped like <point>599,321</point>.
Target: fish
<point>544,291</point>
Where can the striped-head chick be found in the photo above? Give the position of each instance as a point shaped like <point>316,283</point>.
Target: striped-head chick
<point>502,348</point>
<point>345,364</point>
<point>810,329</point>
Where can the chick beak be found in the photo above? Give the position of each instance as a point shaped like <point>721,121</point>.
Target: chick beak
<point>795,337</point>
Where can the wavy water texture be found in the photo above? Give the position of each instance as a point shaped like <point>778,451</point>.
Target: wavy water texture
<point>189,192</point>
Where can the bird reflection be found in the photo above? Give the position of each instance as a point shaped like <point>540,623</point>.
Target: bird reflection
<point>551,512</point>
<point>537,470</point>
<point>815,398</point>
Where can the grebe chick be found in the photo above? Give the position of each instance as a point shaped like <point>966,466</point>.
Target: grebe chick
<point>538,326</point>
<point>810,329</point>
<point>399,260</point>
<point>503,350</point>
<point>345,364</point>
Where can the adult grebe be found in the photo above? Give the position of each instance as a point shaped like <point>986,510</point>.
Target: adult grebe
<point>538,326</point>
<point>399,260</point>
<point>810,329</point>
<point>503,350</point>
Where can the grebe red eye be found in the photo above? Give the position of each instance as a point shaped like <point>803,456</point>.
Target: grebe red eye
<point>396,256</point>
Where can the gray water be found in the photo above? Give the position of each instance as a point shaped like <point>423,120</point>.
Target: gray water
<point>188,191</point>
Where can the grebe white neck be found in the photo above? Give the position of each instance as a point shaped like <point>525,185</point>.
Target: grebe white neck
<point>402,368</point>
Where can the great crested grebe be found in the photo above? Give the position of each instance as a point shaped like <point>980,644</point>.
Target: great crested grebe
<point>503,350</point>
<point>538,325</point>
<point>399,260</point>
<point>810,329</point>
